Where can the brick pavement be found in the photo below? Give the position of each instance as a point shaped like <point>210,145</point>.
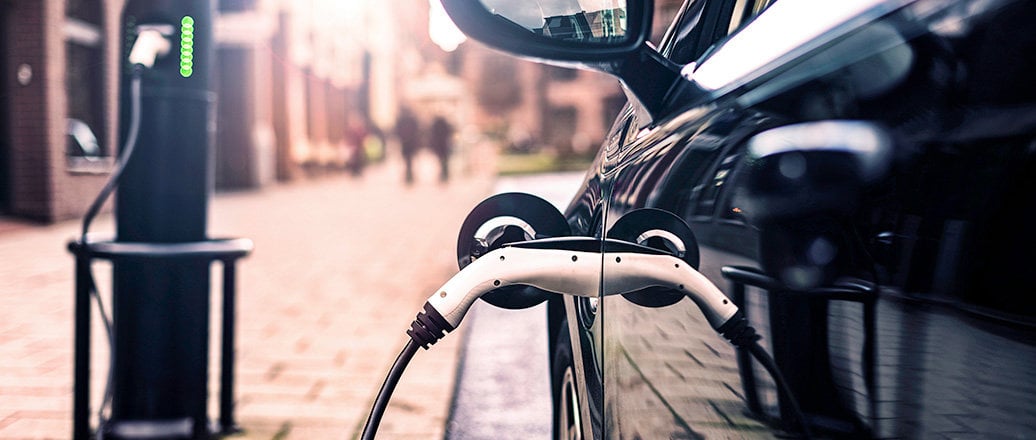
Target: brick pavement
<point>340,268</point>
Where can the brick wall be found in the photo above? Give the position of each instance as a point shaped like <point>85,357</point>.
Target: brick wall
<point>29,137</point>
<point>42,186</point>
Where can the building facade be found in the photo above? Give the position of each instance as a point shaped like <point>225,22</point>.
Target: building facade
<point>57,59</point>
<point>293,76</point>
<point>288,76</point>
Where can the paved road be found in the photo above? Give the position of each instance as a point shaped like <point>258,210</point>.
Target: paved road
<point>503,385</point>
<point>339,270</point>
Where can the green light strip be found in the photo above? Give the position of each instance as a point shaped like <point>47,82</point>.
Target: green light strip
<point>186,46</point>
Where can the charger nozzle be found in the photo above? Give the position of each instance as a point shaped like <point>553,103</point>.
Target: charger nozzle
<point>571,266</point>
<point>152,42</point>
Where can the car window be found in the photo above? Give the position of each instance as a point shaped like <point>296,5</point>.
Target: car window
<point>787,30</point>
<point>702,23</point>
<point>745,11</point>
<point>618,135</point>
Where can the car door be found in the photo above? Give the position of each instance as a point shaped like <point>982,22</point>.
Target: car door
<point>666,372</point>
<point>874,335</point>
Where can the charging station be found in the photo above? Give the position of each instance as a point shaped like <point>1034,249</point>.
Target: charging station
<point>161,253</point>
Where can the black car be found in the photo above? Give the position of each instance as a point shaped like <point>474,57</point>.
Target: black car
<point>859,176</point>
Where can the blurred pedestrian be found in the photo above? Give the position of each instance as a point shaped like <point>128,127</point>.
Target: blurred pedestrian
<point>355,135</point>
<point>442,144</point>
<point>408,131</point>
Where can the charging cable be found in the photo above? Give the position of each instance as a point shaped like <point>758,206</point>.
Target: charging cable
<point>145,51</point>
<point>151,43</point>
<point>95,207</point>
<point>572,266</point>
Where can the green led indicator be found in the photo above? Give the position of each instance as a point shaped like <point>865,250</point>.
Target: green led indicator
<point>186,46</point>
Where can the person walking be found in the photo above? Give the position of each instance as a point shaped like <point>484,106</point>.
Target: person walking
<point>408,133</point>
<point>355,136</point>
<point>441,143</point>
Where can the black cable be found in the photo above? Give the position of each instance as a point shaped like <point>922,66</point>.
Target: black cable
<point>768,363</point>
<point>124,156</point>
<point>428,328</point>
<point>742,335</point>
<point>91,212</point>
<point>381,402</point>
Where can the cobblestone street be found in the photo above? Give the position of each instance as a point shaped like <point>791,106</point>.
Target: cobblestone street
<point>340,268</point>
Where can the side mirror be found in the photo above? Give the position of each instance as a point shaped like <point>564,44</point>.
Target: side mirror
<point>608,36</point>
<point>577,32</point>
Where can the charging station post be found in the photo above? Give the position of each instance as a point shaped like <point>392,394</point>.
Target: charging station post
<point>161,305</point>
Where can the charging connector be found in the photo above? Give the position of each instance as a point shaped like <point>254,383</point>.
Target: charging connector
<point>572,266</point>
<point>152,42</point>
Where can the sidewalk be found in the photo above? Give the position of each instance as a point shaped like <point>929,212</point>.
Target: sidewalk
<point>340,268</point>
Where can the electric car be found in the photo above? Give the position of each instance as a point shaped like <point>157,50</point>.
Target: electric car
<point>858,176</point>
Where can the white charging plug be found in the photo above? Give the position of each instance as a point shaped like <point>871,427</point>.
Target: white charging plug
<point>152,42</point>
<point>569,270</point>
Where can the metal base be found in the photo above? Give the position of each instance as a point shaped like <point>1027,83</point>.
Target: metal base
<point>227,251</point>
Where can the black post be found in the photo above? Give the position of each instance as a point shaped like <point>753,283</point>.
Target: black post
<point>161,306</point>
<point>227,425</point>
<point>81,376</point>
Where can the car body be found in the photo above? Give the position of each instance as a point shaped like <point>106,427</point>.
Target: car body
<point>859,178</point>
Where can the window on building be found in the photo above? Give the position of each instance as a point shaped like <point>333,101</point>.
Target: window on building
<point>86,123</point>
<point>454,63</point>
<point>499,89</point>
<point>84,10</point>
<point>557,127</point>
<point>612,107</point>
<point>311,130</point>
<point>236,5</point>
<point>5,139</point>
<point>561,73</point>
